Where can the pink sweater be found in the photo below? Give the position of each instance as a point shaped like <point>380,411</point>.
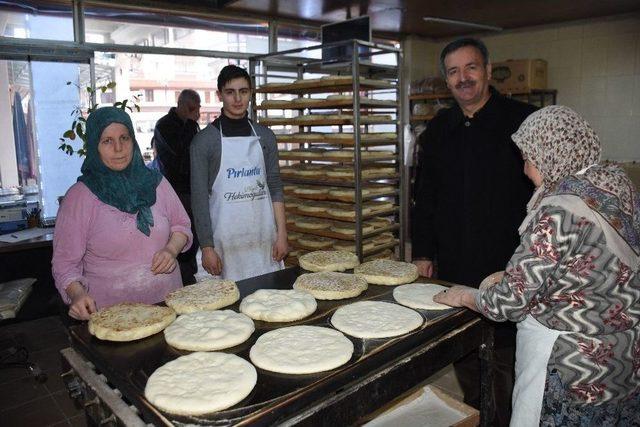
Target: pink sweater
<point>100,246</point>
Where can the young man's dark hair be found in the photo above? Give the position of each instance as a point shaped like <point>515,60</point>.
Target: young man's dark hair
<point>231,72</point>
<point>460,43</point>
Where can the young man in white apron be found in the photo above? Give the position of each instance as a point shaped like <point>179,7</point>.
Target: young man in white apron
<point>237,195</point>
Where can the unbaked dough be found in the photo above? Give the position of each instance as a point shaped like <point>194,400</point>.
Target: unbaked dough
<point>301,350</point>
<point>375,319</point>
<point>419,295</point>
<point>200,383</point>
<point>209,330</point>
<point>278,305</point>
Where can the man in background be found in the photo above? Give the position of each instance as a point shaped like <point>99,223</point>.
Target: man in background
<point>172,139</point>
<point>471,197</point>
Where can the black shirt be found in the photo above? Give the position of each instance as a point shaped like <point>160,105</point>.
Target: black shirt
<point>471,193</point>
<point>172,137</point>
<point>233,127</point>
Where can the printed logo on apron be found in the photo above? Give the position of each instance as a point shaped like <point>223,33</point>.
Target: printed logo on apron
<point>241,210</point>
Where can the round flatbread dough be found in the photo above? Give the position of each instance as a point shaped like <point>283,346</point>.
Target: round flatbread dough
<point>210,294</point>
<point>375,319</point>
<point>200,383</point>
<point>278,305</point>
<point>130,321</point>
<point>301,350</point>
<point>387,272</point>
<point>328,261</point>
<point>331,285</point>
<point>209,330</point>
<point>419,295</point>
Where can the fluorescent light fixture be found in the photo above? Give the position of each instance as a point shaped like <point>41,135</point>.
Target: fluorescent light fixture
<point>460,23</point>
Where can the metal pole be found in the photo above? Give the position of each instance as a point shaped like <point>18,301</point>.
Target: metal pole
<point>78,21</point>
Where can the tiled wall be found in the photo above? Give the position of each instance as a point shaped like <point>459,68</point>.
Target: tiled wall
<point>594,65</point>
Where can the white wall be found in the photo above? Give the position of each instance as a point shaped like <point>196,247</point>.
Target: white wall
<point>594,65</point>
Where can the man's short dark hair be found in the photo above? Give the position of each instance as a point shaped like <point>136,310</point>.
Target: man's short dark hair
<point>189,96</point>
<point>231,72</point>
<point>460,43</point>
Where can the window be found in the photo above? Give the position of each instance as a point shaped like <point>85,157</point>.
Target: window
<point>188,32</point>
<point>148,95</point>
<point>36,19</point>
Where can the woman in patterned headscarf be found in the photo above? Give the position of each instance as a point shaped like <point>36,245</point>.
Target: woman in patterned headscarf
<point>573,284</point>
<point>119,227</point>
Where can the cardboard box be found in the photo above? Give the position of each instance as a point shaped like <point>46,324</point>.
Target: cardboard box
<point>429,406</point>
<point>519,76</point>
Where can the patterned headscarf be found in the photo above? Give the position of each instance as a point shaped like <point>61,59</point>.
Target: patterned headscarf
<point>132,190</point>
<point>558,142</point>
<point>566,151</point>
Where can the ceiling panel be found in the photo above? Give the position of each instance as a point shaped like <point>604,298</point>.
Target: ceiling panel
<point>405,16</point>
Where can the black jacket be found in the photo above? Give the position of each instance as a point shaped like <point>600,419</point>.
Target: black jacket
<point>471,193</point>
<point>172,138</point>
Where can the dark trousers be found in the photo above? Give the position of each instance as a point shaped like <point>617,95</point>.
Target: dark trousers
<point>187,260</point>
<point>467,372</point>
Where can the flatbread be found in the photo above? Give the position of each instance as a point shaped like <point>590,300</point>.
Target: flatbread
<point>380,222</point>
<point>347,211</point>
<point>419,295</point>
<point>209,330</point>
<point>317,242</point>
<point>312,223</point>
<point>375,319</point>
<point>350,228</point>
<point>329,285</point>
<point>209,294</point>
<point>387,272</point>
<point>301,350</point>
<point>346,245</point>
<point>328,261</point>
<point>129,321</point>
<point>200,383</point>
<point>278,305</point>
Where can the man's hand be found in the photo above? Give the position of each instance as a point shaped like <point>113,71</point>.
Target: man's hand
<point>280,248</point>
<point>458,296</point>
<point>82,305</point>
<point>425,267</point>
<point>163,261</point>
<point>211,261</point>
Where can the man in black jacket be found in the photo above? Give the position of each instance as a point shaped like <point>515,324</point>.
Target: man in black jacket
<point>471,196</point>
<point>172,138</point>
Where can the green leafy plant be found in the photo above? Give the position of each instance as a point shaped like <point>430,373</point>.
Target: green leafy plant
<point>79,118</point>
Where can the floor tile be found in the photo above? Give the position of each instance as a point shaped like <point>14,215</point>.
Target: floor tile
<point>78,421</point>
<point>54,381</point>
<point>39,412</point>
<point>15,393</point>
<point>66,404</point>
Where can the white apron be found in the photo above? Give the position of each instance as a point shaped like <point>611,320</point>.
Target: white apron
<point>242,218</point>
<point>534,343</point>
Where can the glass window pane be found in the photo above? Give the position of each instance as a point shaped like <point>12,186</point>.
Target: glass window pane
<point>40,102</point>
<point>36,20</point>
<point>157,80</point>
<point>114,26</point>
<point>292,37</point>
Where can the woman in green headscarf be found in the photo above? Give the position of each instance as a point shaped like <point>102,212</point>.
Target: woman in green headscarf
<point>120,227</point>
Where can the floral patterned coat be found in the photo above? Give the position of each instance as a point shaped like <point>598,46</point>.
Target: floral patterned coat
<point>565,276</point>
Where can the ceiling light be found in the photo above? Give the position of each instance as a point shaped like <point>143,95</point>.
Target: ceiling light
<point>461,23</point>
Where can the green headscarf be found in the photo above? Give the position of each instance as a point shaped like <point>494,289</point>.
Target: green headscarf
<point>132,190</point>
